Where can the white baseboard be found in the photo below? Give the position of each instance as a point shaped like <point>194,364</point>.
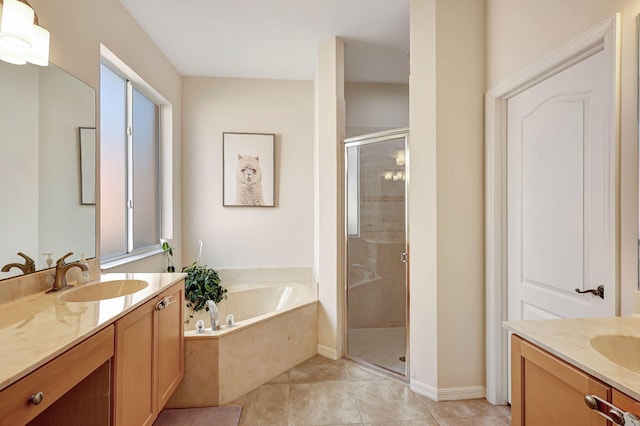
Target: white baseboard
<point>328,352</point>
<point>454,394</point>
<point>424,389</point>
<point>448,394</point>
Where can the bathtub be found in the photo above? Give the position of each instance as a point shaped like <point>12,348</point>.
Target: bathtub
<point>275,329</point>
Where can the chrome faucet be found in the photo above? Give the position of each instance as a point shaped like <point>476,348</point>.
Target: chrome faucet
<point>60,281</point>
<point>28,267</point>
<point>215,315</point>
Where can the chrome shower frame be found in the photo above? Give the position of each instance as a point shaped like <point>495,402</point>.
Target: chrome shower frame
<point>360,141</point>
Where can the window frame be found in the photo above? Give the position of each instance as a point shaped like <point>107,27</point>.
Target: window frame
<point>164,208</point>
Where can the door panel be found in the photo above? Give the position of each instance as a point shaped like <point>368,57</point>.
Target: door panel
<point>560,227</point>
<point>376,273</point>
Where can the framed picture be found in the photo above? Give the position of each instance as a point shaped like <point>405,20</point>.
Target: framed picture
<point>248,162</point>
<point>87,165</point>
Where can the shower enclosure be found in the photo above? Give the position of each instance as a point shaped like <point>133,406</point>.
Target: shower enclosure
<point>376,250</point>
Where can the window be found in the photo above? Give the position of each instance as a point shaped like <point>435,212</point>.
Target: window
<point>130,197</point>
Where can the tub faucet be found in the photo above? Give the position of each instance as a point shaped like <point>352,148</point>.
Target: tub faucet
<point>28,267</point>
<point>215,315</point>
<point>60,281</point>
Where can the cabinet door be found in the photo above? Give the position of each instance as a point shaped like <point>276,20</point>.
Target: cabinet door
<point>548,391</point>
<point>134,377</point>
<point>626,403</point>
<point>170,342</point>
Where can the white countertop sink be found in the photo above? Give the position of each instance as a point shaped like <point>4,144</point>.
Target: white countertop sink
<point>623,350</point>
<point>103,290</point>
<point>606,348</point>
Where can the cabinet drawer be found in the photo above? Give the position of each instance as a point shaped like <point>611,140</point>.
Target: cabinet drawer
<point>55,378</point>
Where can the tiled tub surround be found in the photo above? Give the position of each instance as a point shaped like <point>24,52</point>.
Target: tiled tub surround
<point>36,328</point>
<point>569,339</point>
<point>276,317</point>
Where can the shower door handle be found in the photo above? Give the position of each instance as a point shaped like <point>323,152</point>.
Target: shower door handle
<point>404,257</point>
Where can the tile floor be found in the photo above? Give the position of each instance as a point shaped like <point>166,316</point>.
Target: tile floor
<point>380,346</point>
<point>324,392</point>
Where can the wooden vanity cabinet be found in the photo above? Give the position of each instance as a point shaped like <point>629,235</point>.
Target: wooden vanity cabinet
<point>548,391</point>
<point>625,402</point>
<point>170,359</point>
<point>149,360</point>
<point>54,379</point>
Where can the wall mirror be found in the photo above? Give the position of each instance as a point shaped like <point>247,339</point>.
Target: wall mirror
<point>47,166</point>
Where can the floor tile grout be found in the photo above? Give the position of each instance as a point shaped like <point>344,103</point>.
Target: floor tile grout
<point>318,370</point>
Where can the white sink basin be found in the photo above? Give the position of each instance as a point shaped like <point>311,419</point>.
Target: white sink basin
<point>103,290</point>
<point>623,350</point>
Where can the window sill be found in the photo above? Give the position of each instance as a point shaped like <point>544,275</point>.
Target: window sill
<point>130,258</point>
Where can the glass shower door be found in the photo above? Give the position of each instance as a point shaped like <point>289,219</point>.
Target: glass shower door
<point>376,247</point>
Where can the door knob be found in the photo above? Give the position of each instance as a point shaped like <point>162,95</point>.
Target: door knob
<point>599,291</point>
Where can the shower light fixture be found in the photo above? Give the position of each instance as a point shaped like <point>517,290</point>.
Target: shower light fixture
<point>388,175</point>
<point>22,40</point>
<point>400,158</point>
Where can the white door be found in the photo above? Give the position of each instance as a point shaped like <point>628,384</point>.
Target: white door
<point>560,197</point>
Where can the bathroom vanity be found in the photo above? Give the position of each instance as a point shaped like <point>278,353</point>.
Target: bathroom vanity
<point>100,354</point>
<point>560,367</point>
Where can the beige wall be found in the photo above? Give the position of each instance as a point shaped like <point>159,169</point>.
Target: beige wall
<point>460,181</point>
<point>248,237</point>
<point>373,107</point>
<point>423,232</point>
<point>520,32</point>
<point>329,124</point>
<point>77,28</point>
<point>446,198</point>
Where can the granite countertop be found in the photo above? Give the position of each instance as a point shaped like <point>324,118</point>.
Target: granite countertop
<point>569,339</point>
<point>36,328</point>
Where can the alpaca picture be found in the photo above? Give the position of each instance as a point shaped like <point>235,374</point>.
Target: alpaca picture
<point>249,181</point>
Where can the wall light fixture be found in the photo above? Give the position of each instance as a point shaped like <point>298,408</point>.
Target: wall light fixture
<point>22,39</point>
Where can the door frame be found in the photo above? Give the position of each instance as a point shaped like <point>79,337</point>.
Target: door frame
<point>603,37</point>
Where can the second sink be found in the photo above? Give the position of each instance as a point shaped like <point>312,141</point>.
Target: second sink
<point>623,350</point>
<point>103,290</point>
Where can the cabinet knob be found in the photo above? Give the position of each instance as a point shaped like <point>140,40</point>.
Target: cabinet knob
<point>36,398</point>
<point>605,409</point>
<point>166,301</point>
<point>591,402</point>
<point>616,416</point>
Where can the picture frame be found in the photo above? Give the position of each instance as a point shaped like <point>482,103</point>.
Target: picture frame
<point>248,169</point>
<point>87,138</point>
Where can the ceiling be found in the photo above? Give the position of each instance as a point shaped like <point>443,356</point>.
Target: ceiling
<point>278,39</point>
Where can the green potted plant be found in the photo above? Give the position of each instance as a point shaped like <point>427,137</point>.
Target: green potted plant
<point>168,250</point>
<point>201,284</point>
